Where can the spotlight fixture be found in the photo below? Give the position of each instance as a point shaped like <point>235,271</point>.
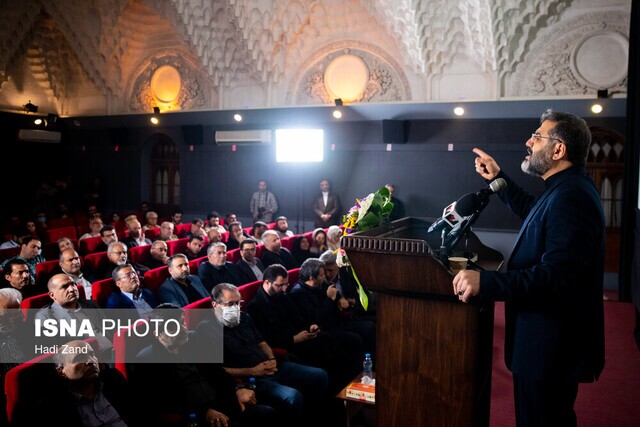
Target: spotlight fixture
<point>458,111</point>
<point>154,119</point>
<point>38,121</point>
<point>596,108</point>
<point>237,117</point>
<point>337,114</point>
<point>338,102</point>
<point>603,93</point>
<point>30,108</point>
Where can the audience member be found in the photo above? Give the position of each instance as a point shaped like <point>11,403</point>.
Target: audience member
<point>326,207</point>
<point>346,286</point>
<point>169,384</point>
<point>166,232</point>
<point>130,293</point>
<point>17,276</point>
<point>229,218</point>
<point>319,242</point>
<point>136,236</point>
<point>274,253</point>
<point>258,228</point>
<point>13,346</point>
<point>320,303</point>
<point>291,388</point>
<point>69,264</point>
<point>301,250</point>
<point>263,203</point>
<point>216,269</point>
<point>214,235</point>
<point>108,235</point>
<point>85,393</point>
<point>236,235</point>
<point>282,227</point>
<point>250,268</point>
<point>152,221</point>
<point>180,288</point>
<point>117,254</point>
<point>213,221</point>
<point>398,206</point>
<point>10,240</point>
<point>194,245</point>
<point>197,229</point>
<point>334,233</point>
<point>95,225</point>
<point>64,243</point>
<point>29,253</point>
<point>158,255</point>
<point>176,217</point>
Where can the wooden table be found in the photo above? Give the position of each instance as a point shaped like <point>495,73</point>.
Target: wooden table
<point>353,406</point>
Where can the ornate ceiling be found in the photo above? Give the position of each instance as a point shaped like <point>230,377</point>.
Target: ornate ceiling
<point>96,57</point>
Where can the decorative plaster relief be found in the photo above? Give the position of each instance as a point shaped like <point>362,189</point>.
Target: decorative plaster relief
<point>386,81</point>
<point>576,57</point>
<point>192,93</point>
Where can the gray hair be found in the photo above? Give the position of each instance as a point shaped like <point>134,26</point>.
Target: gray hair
<point>216,292</point>
<point>268,233</point>
<point>112,244</point>
<point>11,295</point>
<point>310,269</point>
<point>215,245</point>
<point>328,257</point>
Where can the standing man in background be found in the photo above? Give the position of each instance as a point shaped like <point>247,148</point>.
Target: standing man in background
<point>327,208</point>
<point>263,203</point>
<point>553,285</point>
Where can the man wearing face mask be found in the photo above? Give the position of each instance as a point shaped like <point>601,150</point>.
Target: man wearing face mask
<point>291,388</point>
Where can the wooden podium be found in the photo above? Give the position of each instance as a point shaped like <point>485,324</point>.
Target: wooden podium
<point>433,363</point>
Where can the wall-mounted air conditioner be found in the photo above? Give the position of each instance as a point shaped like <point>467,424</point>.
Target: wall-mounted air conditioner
<point>39,135</point>
<point>243,137</point>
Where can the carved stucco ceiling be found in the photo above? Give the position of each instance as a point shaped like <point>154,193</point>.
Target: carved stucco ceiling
<point>102,46</point>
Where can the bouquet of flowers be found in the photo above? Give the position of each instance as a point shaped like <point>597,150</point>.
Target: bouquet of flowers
<point>367,213</point>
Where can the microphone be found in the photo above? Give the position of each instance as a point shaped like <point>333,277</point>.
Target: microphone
<point>471,205</point>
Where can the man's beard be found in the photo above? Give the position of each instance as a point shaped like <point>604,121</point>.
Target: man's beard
<point>539,163</point>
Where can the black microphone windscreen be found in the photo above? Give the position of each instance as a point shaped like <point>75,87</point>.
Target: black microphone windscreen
<point>467,204</point>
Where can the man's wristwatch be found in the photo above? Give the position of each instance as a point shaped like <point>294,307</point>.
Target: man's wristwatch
<point>249,386</point>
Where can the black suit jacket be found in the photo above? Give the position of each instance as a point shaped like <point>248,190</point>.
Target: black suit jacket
<point>283,257</point>
<point>211,276</point>
<point>553,286</point>
<point>333,207</point>
<point>244,271</point>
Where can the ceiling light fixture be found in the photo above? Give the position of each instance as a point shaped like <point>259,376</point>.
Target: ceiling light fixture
<point>458,111</point>
<point>154,119</point>
<point>337,114</point>
<point>596,108</point>
<point>237,117</point>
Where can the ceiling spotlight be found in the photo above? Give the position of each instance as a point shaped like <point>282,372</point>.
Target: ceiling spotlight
<point>237,117</point>
<point>30,108</point>
<point>338,102</point>
<point>596,108</point>
<point>38,121</point>
<point>154,120</point>
<point>458,111</point>
<point>337,114</point>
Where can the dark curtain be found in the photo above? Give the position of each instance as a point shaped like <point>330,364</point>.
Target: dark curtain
<point>629,284</point>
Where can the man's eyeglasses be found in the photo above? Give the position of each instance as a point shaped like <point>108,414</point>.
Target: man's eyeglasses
<point>128,275</point>
<point>537,137</point>
<point>231,303</point>
<point>249,250</point>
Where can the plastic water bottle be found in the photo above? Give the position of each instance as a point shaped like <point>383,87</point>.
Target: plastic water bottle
<point>192,420</point>
<point>367,366</point>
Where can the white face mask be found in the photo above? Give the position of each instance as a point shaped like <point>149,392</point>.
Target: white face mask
<point>231,316</point>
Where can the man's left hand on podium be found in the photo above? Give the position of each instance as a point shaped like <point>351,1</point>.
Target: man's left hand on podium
<point>466,284</point>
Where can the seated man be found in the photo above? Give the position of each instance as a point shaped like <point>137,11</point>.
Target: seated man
<point>194,245</point>
<point>130,294</point>
<point>152,221</point>
<point>292,389</point>
<point>228,219</point>
<point>323,305</point>
<point>176,217</point>
<point>282,227</point>
<point>214,237</point>
<point>95,224</point>
<point>64,243</point>
<point>180,288</point>
<point>68,305</point>
<point>166,231</point>
<point>282,326</point>
<point>274,253</point>
<point>108,235</point>
<point>117,254</point>
<point>69,263</point>
<point>249,267</point>
<point>29,253</point>
<point>197,229</point>
<point>213,221</point>
<point>17,276</point>
<point>216,269</point>
<point>83,393</point>
<point>257,230</point>
<point>236,235</point>
<point>158,252</point>
<point>136,236</point>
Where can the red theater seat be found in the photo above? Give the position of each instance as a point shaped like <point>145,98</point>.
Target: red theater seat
<point>152,233</point>
<point>92,261</point>
<point>154,278</point>
<point>195,263</point>
<point>89,245</point>
<point>21,381</point>
<point>233,255</point>
<point>177,246</point>
<point>140,254</point>
<point>126,345</point>
<point>53,234</point>
<point>196,312</point>
<point>294,275</point>
<point>44,269</point>
<point>248,291</point>
<point>287,242</point>
<point>101,289</point>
